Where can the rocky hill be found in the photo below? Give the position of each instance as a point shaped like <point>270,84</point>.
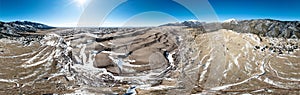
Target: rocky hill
<point>266,27</point>
<point>262,27</point>
<point>192,24</point>
<point>17,27</point>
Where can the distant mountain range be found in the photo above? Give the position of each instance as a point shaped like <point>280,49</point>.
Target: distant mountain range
<point>263,27</point>
<point>17,27</point>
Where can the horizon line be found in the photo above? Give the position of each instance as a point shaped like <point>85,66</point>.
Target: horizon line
<point>75,24</point>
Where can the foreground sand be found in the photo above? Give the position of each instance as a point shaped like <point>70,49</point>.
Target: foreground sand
<point>158,60</point>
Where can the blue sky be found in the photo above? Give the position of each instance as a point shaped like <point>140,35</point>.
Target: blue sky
<point>68,12</point>
<point>253,9</point>
<point>53,12</point>
<point>150,11</point>
<point>129,8</point>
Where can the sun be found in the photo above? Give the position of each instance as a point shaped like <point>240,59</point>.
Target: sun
<point>80,3</point>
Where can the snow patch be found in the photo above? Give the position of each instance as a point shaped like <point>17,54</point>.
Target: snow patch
<point>230,21</point>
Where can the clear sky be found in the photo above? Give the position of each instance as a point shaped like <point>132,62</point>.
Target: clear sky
<point>254,9</point>
<point>53,12</point>
<point>68,12</point>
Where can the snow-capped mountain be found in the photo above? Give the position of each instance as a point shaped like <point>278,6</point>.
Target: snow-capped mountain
<point>232,20</point>
<point>264,27</point>
<point>189,23</point>
<point>16,27</point>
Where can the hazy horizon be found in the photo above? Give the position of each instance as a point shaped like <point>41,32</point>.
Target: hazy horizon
<point>67,13</point>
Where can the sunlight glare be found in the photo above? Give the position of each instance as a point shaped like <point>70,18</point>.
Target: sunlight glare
<point>80,2</point>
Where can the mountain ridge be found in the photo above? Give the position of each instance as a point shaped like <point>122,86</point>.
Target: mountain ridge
<point>15,28</point>
<point>263,27</point>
